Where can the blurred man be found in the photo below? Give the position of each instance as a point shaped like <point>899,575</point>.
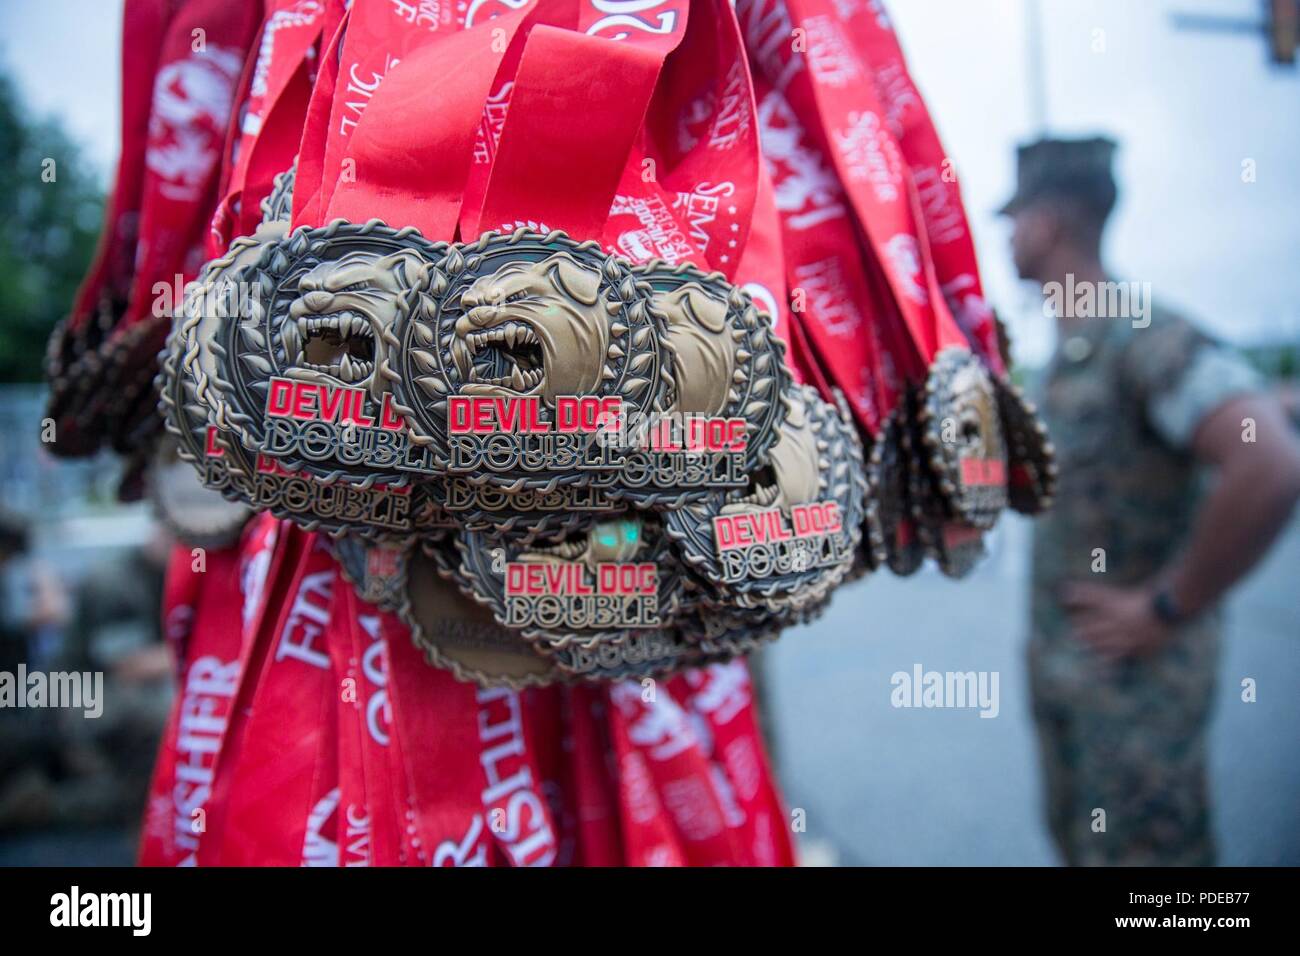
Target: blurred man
<point>1130,565</point>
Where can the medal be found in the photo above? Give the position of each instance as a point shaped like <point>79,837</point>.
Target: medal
<point>1031,484</point>
<point>888,472</point>
<point>956,545</point>
<point>585,588</point>
<point>961,434</point>
<point>198,515</point>
<point>302,379</point>
<point>787,539</point>
<point>728,374</point>
<point>531,344</point>
<point>459,635</point>
<point>377,570</point>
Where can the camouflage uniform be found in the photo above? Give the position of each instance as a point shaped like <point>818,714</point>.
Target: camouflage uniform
<point>1123,404</point>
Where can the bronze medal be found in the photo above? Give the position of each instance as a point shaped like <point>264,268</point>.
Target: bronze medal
<point>278,205</point>
<point>377,570</point>
<point>1031,484</point>
<point>956,545</point>
<point>725,412</point>
<point>650,653</point>
<point>586,588</point>
<point>461,636</point>
<point>787,539</point>
<point>206,326</point>
<point>888,471</point>
<point>527,346</point>
<point>961,435</point>
<point>301,380</point>
<point>197,514</point>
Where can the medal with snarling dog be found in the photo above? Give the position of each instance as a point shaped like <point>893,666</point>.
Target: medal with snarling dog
<point>959,428</point>
<point>728,375</point>
<point>586,588</point>
<point>788,539</point>
<point>300,383</point>
<point>533,344</point>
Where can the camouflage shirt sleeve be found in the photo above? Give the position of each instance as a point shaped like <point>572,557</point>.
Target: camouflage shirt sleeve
<point>1181,376</point>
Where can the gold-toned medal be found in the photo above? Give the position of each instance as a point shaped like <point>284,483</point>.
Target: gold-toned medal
<point>301,379</point>
<point>728,376</point>
<point>786,540</point>
<point>458,634</point>
<point>586,588</point>
<point>527,347</point>
<point>1031,484</point>
<point>961,437</point>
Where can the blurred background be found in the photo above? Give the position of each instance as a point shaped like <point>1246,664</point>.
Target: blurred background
<point>1194,90</point>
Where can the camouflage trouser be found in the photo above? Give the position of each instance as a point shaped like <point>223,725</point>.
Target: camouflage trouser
<point>1131,744</point>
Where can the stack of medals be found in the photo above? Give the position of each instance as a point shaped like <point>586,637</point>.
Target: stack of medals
<point>562,459</point>
<point>552,464</point>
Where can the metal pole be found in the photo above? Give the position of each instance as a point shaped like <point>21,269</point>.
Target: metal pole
<point>1036,80</point>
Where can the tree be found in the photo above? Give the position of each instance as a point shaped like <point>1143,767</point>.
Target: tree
<point>51,208</point>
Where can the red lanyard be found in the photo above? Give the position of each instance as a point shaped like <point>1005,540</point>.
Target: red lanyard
<point>948,233</point>
<point>408,150</point>
<point>279,85</point>
<point>576,113</point>
<point>192,97</point>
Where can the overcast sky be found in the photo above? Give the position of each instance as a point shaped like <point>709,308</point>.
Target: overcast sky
<point>1189,107</point>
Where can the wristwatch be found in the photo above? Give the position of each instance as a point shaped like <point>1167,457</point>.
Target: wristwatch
<point>1162,605</point>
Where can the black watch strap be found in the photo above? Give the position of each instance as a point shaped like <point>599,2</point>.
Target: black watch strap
<point>1162,605</point>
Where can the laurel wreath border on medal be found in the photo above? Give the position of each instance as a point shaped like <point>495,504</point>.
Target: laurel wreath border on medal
<point>888,473</point>
<point>934,406</point>
<point>427,344</point>
<point>184,419</point>
<point>762,371</point>
<point>180,363</point>
<point>445,560</point>
<point>243,252</point>
<point>258,335</point>
<point>691,525</point>
<point>339,547</point>
<point>672,591</point>
<point>930,509</point>
<point>1028,446</point>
